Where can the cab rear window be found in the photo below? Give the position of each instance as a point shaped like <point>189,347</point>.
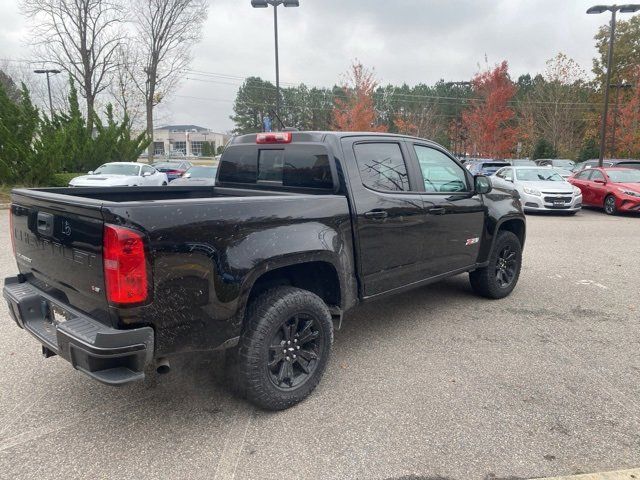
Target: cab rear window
<point>298,166</point>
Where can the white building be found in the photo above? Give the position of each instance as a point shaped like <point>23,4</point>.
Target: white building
<point>186,139</point>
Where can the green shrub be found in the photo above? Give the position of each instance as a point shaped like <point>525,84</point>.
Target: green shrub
<point>63,179</point>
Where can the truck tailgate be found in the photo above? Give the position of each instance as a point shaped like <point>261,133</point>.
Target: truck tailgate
<point>58,246</point>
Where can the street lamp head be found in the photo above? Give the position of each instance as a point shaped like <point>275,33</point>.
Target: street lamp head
<point>598,9</point>
<point>630,8</point>
<point>291,3</point>
<point>259,3</point>
<point>47,71</point>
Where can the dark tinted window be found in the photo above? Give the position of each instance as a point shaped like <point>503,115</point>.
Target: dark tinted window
<point>270,164</point>
<point>302,166</point>
<point>239,165</point>
<point>382,166</point>
<point>307,167</point>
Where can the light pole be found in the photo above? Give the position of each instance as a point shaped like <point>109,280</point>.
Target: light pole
<point>48,71</point>
<point>630,8</point>
<point>617,86</point>
<point>275,4</point>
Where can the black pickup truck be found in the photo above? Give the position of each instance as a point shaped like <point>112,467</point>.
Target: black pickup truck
<point>299,229</point>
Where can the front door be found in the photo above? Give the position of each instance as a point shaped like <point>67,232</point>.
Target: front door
<point>455,214</point>
<point>389,212</point>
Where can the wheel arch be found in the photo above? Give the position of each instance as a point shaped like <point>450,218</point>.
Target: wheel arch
<point>316,272</point>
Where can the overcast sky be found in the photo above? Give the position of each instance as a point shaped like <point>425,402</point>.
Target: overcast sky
<point>406,41</point>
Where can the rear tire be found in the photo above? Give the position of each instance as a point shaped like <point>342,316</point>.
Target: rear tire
<point>610,205</point>
<point>285,347</point>
<point>500,276</point>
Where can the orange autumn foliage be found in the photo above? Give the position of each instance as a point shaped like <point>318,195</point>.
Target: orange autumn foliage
<point>354,110</point>
<point>490,120</point>
<point>628,141</point>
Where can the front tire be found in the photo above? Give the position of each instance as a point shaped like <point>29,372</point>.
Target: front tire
<point>285,348</point>
<point>610,205</point>
<point>499,278</point>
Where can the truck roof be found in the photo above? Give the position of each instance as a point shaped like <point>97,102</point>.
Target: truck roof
<point>321,136</point>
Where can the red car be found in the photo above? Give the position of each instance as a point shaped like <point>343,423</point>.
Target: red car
<point>614,189</point>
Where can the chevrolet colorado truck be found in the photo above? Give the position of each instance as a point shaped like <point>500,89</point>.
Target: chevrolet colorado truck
<point>299,229</point>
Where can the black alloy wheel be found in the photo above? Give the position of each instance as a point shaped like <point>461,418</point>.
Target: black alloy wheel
<point>294,351</point>
<point>506,266</point>
<point>284,348</point>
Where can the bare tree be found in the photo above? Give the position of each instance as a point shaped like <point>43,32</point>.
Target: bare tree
<point>166,32</point>
<point>81,37</point>
<point>128,100</point>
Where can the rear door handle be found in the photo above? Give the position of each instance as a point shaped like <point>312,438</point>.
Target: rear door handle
<point>437,211</point>
<point>376,215</point>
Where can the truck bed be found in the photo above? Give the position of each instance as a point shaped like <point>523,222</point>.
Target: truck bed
<point>147,194</point>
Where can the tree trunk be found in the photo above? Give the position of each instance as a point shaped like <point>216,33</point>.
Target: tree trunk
<point>150,150</point>
<point>90,113</point>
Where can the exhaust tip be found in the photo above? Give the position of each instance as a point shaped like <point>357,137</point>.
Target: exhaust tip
<point>162,366</point>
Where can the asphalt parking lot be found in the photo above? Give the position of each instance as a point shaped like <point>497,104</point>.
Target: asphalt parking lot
<point>434,383</point>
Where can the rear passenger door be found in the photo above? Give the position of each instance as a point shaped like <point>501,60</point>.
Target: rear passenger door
<point>598,188</point>
<point>389,214</point>
<point>581,180</point>
<point>455,213</point>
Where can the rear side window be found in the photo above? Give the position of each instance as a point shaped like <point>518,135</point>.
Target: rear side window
<point>299,166</point>
<point>635,165</point>
<point>382,166</point>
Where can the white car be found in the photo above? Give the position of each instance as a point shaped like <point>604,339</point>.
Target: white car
<point>121,174</point>
<point>540,189</point>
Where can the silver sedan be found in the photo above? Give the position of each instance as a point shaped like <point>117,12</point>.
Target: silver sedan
<point>540,189</point>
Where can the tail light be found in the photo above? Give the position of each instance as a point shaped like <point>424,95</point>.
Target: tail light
<point>174,172</point>
<point>274,137</point>
<point>125,266</point>
<point>12,232</point>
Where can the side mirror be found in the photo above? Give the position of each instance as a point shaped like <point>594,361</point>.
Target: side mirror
<point>186,175</point>
<point>90,172</point>
<point>482,184</point>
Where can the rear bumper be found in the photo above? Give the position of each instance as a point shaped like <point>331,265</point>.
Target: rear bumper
<point>106,354</point>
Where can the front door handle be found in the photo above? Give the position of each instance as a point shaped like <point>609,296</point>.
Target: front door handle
<point>437,211</point>
<point>376,214</point>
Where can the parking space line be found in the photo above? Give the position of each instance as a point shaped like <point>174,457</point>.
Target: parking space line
<point>633,474</point>
<point>230,457</point>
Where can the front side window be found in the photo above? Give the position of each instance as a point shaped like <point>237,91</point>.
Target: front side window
<point>147,169</point>
<point>583,175</point>
<point>382,166</point>
<point>439,172</point>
